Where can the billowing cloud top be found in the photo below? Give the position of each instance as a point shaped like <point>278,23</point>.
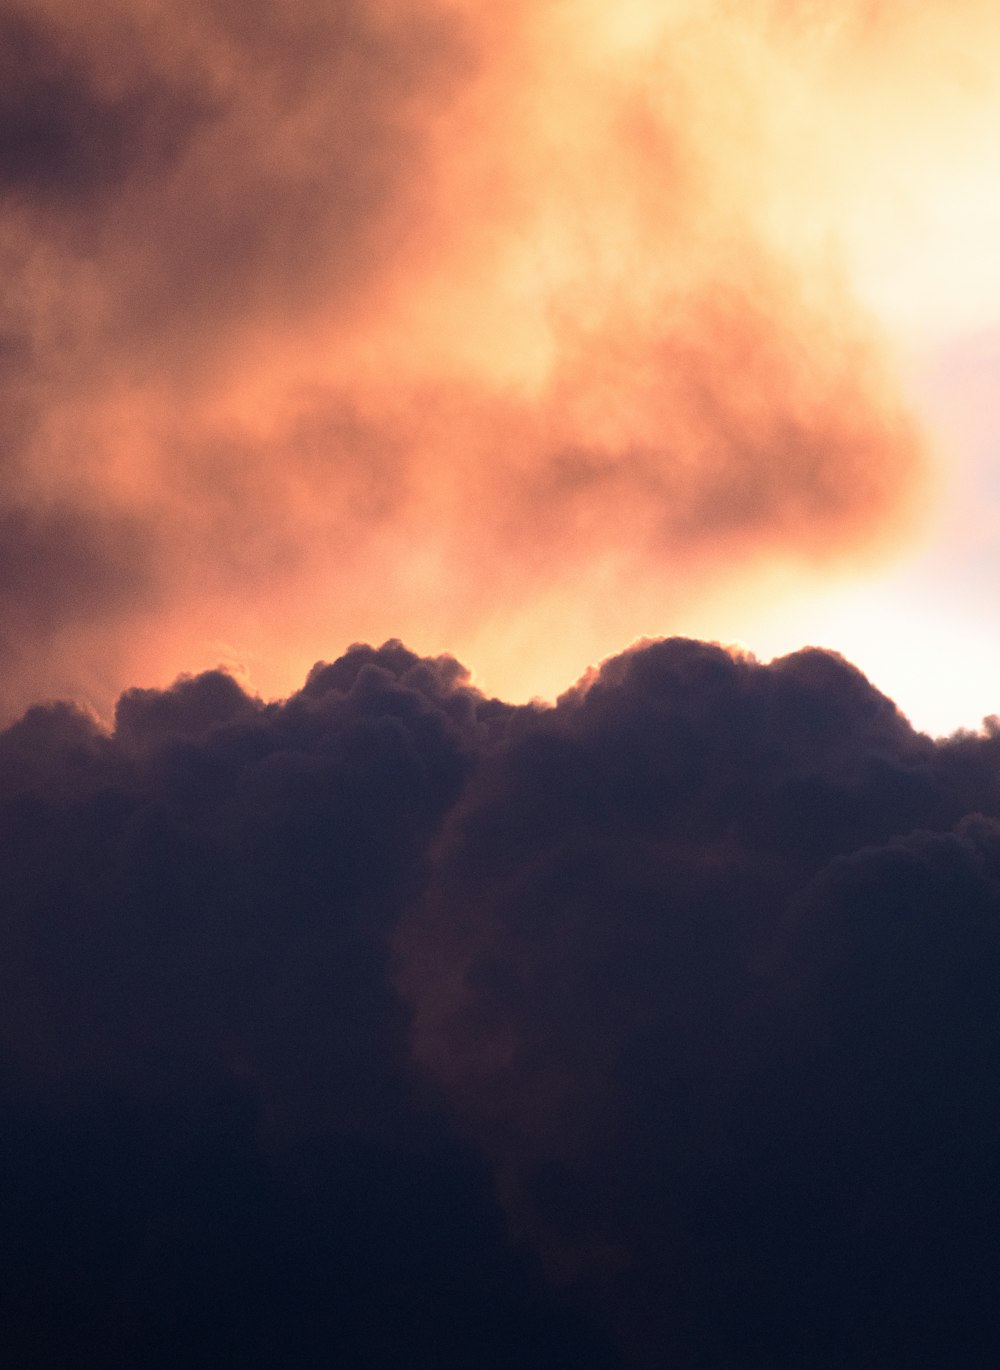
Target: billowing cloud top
<point>387,1023</point>
<point>509,331</point>
<point>394,1025</point>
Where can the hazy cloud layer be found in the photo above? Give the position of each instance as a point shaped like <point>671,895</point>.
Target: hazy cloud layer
<point>509,332</point>
<point>400,1026</point>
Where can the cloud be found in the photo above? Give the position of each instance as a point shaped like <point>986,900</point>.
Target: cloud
<point>382,319</point>
<point>388,1021</point>
<point>400,1024</point>
<point>213,1138</point>
<point>721,1029</point>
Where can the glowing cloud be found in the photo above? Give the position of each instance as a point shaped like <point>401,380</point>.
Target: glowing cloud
<point>514,334</point>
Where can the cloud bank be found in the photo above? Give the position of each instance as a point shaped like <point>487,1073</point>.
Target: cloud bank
<point>395,1025</point>
<point>509,333</point>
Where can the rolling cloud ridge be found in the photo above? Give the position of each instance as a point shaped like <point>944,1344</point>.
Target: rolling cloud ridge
<point>395,1024</point>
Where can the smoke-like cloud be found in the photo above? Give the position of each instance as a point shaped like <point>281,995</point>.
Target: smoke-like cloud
<point>512,334</point>
<point>392,1024</point>
<point>397,1025</point>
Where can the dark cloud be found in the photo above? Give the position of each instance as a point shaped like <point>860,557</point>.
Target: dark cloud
<point>723,1032</point>
<point>213,1143</point>
<point>391,1025</point>
<point>401,1026</point>
<point>64,139</point>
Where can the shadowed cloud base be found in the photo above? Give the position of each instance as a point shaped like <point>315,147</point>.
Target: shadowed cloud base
<point>392,1025</point>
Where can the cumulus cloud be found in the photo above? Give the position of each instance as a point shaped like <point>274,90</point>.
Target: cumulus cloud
<point>392,1023</point>
<point>401,1025</point>
<point>214,1145</point>
<point>721,1029</point>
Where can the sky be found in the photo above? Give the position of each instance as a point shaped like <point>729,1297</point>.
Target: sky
<point>516,337</point>
<point>499,844</point>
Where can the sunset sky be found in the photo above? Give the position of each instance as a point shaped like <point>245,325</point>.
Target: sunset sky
<point>518,334</point>
<point>454,913</point>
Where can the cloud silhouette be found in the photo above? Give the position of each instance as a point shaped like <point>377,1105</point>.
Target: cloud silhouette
<point>398,1024</point>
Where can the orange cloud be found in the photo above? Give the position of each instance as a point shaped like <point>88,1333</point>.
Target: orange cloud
<point>508,334</point>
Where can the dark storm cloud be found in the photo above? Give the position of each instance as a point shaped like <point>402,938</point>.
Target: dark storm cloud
<point>733,1080</point>
<point>212,1144</point>
<point>399,1026</point>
